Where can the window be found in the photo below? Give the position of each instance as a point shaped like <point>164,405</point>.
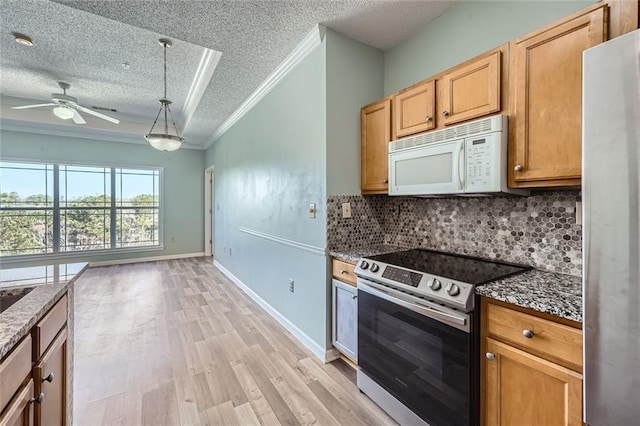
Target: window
<point>61,208</point>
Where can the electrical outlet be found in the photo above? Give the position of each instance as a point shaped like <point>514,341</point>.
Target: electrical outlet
<point>346,210</point>
<point>291,286</point>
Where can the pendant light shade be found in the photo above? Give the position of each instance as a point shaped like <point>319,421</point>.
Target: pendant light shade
<point>165,141</point>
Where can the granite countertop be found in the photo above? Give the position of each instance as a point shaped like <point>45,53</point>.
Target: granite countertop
<point>555,294</point>
<point>49,284</point>
<point>353,254</point>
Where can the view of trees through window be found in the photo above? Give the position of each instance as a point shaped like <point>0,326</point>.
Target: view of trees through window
<point>55,208</point>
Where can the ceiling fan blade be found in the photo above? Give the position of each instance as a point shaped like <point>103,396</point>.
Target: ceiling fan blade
<point>77,118</point>
<point>99,115</point>
<point>32,106</point>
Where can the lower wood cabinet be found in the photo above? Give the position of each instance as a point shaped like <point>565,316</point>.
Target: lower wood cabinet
<point>531,368</point>
<point>50,378</point>
<point>37,395</point>
<point>345,319</point>
<point>20,411</point>
<point>523,389</point>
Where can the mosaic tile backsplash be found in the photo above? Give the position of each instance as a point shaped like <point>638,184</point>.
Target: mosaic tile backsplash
<point>539,230</point>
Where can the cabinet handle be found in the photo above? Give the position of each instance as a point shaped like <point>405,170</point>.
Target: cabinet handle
<point>490,356</point>
<point>343,271</point>
<point>355,296</point>
<point>39,399</point>
<point>445,113</point>
<point>428,118</point>
<point>49,378</point>
<point>385,181</point>
<point>518,168</point>
<point>528,334</point>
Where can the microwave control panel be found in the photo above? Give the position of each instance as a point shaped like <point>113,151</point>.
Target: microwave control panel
<point>483,163</point>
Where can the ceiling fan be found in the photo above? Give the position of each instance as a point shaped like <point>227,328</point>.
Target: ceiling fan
<point>66,107</point>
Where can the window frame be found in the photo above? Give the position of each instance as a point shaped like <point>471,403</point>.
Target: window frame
<point>98,252</point>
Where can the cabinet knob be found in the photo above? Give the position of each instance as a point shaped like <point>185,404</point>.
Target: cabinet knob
<point>343,271</point>
<point>385,181</point>
<point>528,334</point>
<point>490,356</point>
<point>39,399</point>
<point>518,168</point>
<point>355,296</point>
<point>428,118</point>
<point>445,113</point>
<point>49,378</point>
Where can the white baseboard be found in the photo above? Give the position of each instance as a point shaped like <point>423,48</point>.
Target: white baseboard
<point>324,355</point>
<point>145,259</point>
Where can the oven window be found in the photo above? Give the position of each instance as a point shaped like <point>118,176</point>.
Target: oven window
<point>425,364</point>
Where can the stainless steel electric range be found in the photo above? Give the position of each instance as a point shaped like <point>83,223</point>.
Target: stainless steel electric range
<point>418,339</point>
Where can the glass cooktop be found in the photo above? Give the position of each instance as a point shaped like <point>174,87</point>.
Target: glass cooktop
<point>466,269</point>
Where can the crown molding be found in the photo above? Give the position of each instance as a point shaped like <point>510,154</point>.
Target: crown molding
<point>312,40</point>
<point>206,67</point>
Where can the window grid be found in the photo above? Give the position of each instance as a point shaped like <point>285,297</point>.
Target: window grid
<point>115,218</point>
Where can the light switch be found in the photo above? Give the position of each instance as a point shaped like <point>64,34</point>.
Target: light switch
<point>346,210</point>
<point>312,210</point>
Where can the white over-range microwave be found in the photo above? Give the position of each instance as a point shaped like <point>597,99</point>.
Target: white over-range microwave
<point>468,159</point>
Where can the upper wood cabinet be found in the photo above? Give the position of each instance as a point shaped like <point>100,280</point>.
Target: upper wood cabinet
<point>375,134</point>
<point>414,109</point>
<point>470,90</point>
<point>546,100</point>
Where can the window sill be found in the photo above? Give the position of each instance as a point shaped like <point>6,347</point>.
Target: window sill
<point>56,257</point>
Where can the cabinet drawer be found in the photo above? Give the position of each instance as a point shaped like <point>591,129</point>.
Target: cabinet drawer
<point>343,271</point>
<point>550,340</point>
<point>48,327</point>
<point>14,370</point>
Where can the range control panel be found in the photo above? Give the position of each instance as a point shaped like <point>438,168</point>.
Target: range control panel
<point>431,287</point>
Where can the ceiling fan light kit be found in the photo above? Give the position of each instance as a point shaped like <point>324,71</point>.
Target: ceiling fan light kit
<point>66,107</point>
<point>165,141</point>
<point>63,112</point>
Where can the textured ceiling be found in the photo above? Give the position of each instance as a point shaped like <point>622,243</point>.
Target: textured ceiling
<point>86,48</point>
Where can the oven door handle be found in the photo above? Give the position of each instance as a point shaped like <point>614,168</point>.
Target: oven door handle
<point>459,322</point>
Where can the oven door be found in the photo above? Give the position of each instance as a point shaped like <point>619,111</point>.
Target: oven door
<point>423,356</point>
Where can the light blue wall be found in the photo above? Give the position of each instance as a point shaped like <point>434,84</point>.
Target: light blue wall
<point>467,30</point>
<point>354,78</point>
<point>183,182</point>
<point>268,167</point>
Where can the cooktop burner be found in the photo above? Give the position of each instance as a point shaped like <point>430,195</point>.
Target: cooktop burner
<point>468,269</point>
<point>444,278</point>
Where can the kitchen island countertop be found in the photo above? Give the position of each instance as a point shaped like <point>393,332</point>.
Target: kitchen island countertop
<point>49,284</point>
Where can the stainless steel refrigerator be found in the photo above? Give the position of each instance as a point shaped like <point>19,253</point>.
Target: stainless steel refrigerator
<point>611,231</point>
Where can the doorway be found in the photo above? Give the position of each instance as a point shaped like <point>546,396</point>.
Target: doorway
<point>209,225</point>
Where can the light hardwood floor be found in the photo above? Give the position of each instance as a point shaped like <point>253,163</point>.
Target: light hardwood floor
<point>175,342</point>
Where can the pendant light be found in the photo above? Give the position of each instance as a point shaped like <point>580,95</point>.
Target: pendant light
<point>165,141</point>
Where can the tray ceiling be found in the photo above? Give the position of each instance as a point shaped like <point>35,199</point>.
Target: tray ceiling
<point>86,42</point>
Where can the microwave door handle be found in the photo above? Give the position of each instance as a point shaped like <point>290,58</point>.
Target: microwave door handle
<point>461,171</point>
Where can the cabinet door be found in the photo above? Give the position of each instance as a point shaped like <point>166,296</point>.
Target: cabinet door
<point>522,389</point>
<point>20,411</point>
<point>50,378</point>
<point>547,100</point>
<point>471,90</point>
<point>375,123</point>
<point>345,319</point>
<point>413,110</point>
